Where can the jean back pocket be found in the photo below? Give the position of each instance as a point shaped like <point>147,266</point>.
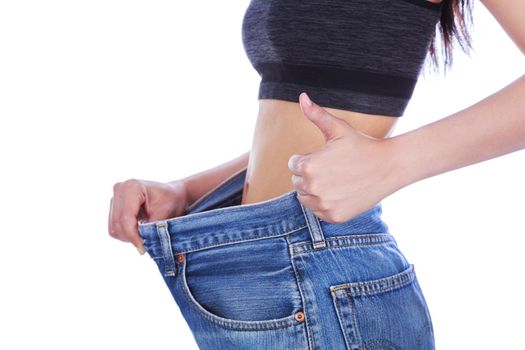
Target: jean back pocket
<point>389,313</point>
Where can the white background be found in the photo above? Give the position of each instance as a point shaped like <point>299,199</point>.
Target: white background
<point>96,92</point>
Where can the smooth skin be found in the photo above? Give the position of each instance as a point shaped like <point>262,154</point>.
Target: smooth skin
<point>341,162</point>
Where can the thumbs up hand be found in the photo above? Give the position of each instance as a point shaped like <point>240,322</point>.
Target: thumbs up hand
<point>349,174</point>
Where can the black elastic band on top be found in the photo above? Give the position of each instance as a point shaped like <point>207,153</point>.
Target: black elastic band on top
<point>337,78</point>
<point>436,6</point>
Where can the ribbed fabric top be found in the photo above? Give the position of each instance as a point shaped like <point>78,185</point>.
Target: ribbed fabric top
<point>359,55</point>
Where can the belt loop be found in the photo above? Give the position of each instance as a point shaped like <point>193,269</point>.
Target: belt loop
<point>316,232</point>
<point>167,252</point>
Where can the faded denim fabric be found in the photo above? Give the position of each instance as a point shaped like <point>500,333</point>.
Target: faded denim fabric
<point>272,275</point>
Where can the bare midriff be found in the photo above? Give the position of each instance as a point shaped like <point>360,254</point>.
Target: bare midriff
<point>281,130</point>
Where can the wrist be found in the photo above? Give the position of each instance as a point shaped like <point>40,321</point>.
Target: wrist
<point>403,170</point>
<point>181,192</point>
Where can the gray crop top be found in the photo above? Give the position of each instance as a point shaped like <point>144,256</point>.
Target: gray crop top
<point>360,55</point>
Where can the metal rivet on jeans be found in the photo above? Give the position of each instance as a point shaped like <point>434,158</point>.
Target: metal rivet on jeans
<point>299,316</point>
<point>180,258</point>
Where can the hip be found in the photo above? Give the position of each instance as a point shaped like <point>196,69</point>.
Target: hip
<point>271,275</point>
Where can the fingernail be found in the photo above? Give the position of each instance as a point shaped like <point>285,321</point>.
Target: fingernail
<point>291,161</point>
<point>140,250</point>
<point>307,100</point>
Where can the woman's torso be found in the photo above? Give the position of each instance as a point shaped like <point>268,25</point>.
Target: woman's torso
<point>282,130</point>
<point>345,53</point>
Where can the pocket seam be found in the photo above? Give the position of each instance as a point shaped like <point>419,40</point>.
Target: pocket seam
<point>241,325</point>
<point>347,241</point>
<point>380,285</point>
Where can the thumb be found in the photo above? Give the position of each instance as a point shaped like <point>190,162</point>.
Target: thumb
<point>137,242</point>
<point>331,126</point>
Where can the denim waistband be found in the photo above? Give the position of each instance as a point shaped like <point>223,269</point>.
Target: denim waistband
<point>214,221</point>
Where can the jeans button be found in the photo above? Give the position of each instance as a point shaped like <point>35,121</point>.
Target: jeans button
<point>299,316</point>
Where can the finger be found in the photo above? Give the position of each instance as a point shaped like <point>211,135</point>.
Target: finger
<point>115,227</point>
<point>330,126</point>
<point>309,201</point>
<point>295,163</point>
<point>298,185</point>
<point>292,164</point>
<point>126,206</point>
<point>129,224</point>
<point>139,243</point>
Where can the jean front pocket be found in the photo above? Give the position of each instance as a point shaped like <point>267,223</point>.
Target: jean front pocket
<point>389,313</point>
<point>249,285</point>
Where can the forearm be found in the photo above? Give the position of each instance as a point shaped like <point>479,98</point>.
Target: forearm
<point>198,184</point>
<point>490,128</point>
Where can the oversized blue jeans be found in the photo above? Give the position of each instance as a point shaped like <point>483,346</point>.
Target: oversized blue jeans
<point>273,275</point>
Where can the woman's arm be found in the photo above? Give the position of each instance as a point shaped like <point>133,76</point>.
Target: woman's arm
<point>198,184</point>
<point>353,171</point>
<point>490,128</point>
<point>136,199</point>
